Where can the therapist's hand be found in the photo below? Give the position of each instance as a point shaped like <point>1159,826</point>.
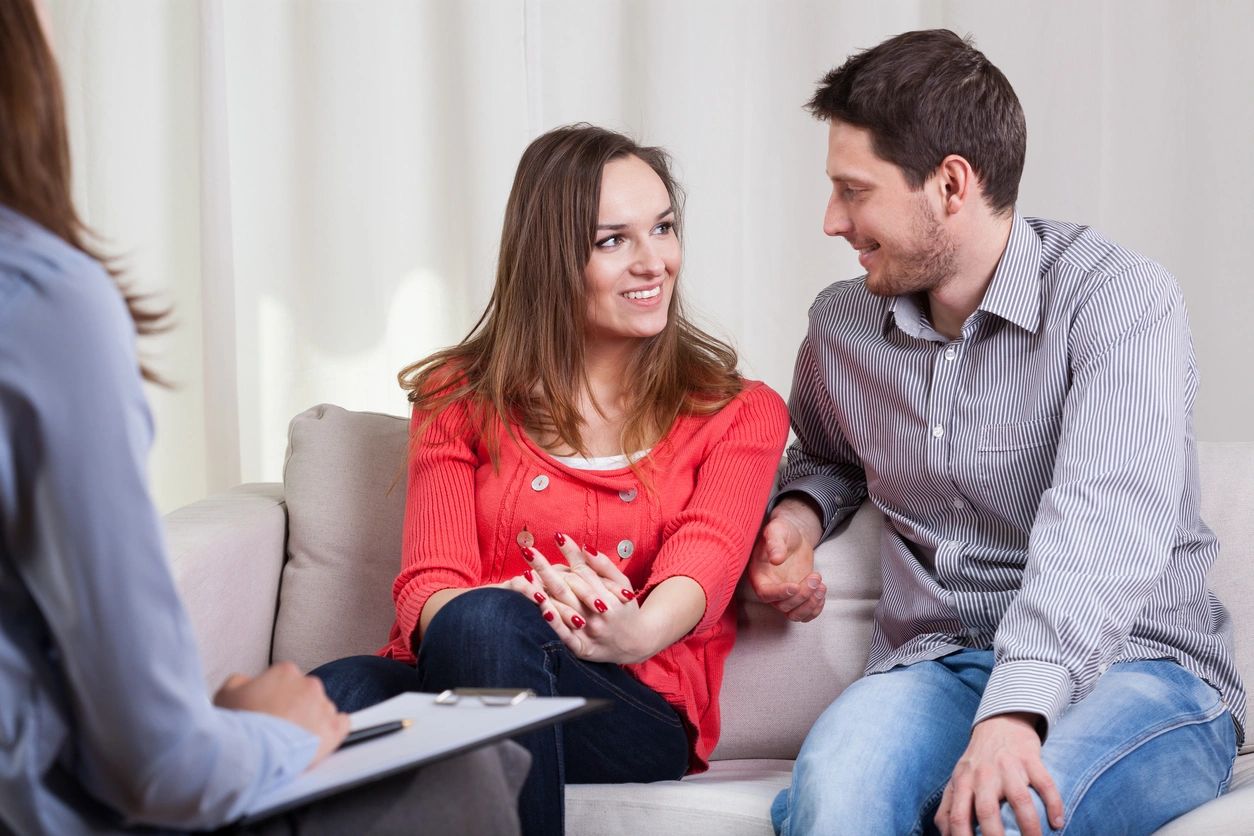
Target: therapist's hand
<point>284,692</point>
<point>781,567</point>
<point>1002,761</point>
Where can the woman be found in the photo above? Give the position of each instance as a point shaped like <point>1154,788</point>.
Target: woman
<point>105,724</point>
<point>588,472</point>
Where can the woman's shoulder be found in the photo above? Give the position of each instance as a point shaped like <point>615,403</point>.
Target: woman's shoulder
<point>52,294</point>
<point>756,404</point>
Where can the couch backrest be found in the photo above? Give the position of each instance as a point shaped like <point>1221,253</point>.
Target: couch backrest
<point>345,490</point>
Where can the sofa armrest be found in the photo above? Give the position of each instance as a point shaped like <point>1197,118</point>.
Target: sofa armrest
<point>226,553</point>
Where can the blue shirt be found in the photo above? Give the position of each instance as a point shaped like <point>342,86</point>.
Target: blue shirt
<point>104,716</point>
<point>1038,475</point>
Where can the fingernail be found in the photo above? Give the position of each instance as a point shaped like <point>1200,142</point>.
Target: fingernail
<point>539,596</point>
<point>526,554</point>
<point>628,594</point>
<point>548,615</point>
<point>589,549</point>
<point>527,574</point>
<point>600,605</point>
<point>577,621</point>
<point>560,538</point>
<point>813,583</point>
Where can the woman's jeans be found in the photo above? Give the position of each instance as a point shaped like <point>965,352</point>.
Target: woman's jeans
<point>496,638</point>
<point>1148,744</point>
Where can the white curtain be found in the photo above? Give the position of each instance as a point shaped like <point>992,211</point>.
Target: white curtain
<point>317,186</point>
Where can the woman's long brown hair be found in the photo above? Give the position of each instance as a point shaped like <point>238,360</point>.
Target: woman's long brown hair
<point>524,359</point>
<point>35,151</point>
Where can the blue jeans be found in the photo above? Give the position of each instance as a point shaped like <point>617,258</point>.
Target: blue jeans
<point>1148,744</point>
<point>496,638</point>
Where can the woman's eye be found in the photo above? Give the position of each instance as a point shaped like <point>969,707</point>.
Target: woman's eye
<point>608,243</point>
<point>664,228</point>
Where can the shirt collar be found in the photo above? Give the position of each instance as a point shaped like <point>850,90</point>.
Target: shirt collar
<point>1013,294</point>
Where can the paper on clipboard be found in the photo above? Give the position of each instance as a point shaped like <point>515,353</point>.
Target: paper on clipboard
<point>439,731</point>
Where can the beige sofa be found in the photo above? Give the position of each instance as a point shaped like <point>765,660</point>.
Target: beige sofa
<point>303,571</point>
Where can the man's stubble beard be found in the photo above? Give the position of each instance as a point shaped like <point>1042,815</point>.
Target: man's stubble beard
<point>927,268</point>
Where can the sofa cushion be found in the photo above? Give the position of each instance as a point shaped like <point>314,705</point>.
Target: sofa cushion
<point>1228,508</point>
<point>732,799</point>
<point>345,491</point>
<point>781,675</point>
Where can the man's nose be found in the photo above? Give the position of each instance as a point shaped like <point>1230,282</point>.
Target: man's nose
<point>835,219</point>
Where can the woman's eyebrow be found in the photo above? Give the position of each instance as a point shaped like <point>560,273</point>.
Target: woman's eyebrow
<point>669,210</point>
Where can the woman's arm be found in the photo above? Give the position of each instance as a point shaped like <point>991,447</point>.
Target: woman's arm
<point>83,554</point>
<point>704,552</point>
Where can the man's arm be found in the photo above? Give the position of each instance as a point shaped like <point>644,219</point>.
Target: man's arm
<point>1103,534</point>
<point>821,485</point>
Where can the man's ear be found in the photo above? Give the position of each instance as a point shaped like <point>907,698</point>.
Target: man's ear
<point>957,182</point>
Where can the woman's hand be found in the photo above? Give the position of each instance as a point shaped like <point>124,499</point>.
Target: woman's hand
<point>589,603</point>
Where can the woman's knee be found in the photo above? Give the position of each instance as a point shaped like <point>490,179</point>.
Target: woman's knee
<point>357,682</point>
<point>482,635</point>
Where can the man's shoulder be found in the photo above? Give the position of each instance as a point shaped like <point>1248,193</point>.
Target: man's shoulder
<point>1084,252</point>
<point>847,299</point>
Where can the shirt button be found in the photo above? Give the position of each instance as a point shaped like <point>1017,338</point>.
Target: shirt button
<point>951,353</point>
<point>958,503</point>
<point>625,548</point>
<point>540,482</point>
<point>525,539</point>
<point>627,495</point>
<point>938,431</point>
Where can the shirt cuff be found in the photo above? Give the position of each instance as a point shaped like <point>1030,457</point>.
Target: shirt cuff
<point>1027,685</point>
<point>820,489</point>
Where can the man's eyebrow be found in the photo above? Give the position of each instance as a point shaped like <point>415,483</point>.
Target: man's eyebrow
<point>844,177</point>
<point>669,210</point>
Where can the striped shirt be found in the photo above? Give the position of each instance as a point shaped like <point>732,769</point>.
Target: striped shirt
<point>1038,475</point>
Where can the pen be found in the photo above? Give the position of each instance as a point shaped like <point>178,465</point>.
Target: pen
<point>371,732</point>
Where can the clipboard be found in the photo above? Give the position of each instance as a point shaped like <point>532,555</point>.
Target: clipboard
<point>462,722</point>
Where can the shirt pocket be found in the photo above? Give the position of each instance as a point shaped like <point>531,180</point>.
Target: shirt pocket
<point>1014,466</point>
<point>1040,432</point>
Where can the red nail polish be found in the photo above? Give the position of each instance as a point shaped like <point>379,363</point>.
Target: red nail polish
<point>628,594</point>
<point>560,538</point>
<point>526,554</point>
<point>548,615</point>
<point>589,549</point>
<point>577,621</point>
<point>527,574</point>
<point>539,596</point>
<point>600,605</point>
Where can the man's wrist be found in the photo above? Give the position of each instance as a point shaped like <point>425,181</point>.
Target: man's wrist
<point>803,512</point>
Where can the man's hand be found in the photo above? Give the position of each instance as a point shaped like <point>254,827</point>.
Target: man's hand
<point>283,691</point>
<point>781,568</point>
<point>1002,760</point>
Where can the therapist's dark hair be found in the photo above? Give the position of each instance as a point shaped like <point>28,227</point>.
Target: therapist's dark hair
<point>35,153</point>
<point>925,95</point>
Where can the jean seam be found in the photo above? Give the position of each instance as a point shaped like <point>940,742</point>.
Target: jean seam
<point>920,825</point>
<point>1178,722</point>
<point>672,720</point>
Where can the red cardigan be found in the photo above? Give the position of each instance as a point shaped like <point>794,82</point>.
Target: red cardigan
<point>711,478</point>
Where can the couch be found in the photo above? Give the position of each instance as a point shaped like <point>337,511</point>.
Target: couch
<point>303,571</point>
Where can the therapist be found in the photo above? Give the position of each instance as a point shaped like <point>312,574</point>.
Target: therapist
<point>105,723</point>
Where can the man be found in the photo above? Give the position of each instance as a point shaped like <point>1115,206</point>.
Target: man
<point>1016,396</point>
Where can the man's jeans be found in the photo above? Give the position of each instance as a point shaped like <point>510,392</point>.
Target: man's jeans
<point>496,638</point>
<point>1148,744</point>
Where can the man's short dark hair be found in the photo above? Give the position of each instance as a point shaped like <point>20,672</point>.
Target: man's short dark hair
<point>925,95</point>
